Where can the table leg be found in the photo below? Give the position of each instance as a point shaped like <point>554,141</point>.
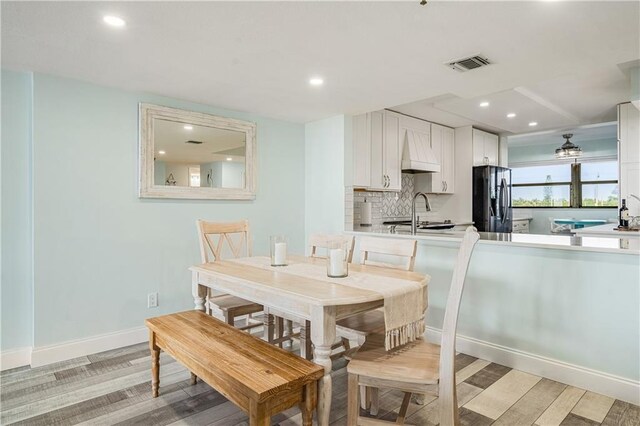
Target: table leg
<point>198,291</point>
<point>323,334</point>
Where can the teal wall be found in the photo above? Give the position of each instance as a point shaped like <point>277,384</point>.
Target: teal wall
<point>577,307</point>
<point>16,280</point>
<point>324,174</point>
<point>546,152</point>
<point>98,249</point>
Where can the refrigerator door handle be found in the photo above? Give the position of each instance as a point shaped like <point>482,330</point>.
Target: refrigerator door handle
<point>503,200</point>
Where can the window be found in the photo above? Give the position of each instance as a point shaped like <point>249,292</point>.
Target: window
<point>593,184</point>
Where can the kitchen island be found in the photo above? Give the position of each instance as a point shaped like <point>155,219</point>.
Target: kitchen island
<point>562,307</point>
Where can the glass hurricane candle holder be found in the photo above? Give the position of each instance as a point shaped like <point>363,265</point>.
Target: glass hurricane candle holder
<point>337,262</point>
<point>278,250</point>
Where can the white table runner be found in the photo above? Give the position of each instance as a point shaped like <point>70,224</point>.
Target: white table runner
<point>404,301</point>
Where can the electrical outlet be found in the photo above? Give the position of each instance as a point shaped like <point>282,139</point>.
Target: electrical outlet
<point>152,300</point>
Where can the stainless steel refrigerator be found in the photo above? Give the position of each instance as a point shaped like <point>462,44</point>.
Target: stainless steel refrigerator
<point>492,209</point>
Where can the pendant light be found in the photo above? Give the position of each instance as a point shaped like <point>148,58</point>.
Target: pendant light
<point>568,149</point>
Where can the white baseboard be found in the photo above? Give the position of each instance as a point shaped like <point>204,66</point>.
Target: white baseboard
<point>574,375</point>
<point>75,348</point>
<point>13,358</point>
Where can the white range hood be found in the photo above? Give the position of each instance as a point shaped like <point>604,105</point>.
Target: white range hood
<point>417,155</point>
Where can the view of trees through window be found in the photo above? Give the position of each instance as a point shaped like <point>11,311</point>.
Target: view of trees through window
<point>550,186</point>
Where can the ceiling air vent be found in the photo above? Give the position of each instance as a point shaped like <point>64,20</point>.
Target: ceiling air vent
<point>194,142</point>
<point>470,63</point>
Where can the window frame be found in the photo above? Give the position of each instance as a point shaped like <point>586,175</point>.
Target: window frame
<point>575,186</point>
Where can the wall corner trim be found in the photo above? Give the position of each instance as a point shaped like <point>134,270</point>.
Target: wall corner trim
<point>596,381</point>
<point>76,348</point>
<point>13,358</point>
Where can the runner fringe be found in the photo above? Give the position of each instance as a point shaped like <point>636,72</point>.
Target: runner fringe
<point>403,335</point>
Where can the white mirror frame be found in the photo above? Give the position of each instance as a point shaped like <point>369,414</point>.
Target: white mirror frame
<point>147,187</point>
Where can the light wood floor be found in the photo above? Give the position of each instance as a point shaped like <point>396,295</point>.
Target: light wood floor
<point>114,388</point>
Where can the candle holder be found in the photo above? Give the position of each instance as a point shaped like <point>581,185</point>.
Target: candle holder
<point>278,250</point>
<point>337,262</point>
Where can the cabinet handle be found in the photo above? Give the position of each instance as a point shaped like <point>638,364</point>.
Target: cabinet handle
<point>446,186</point>
<point>443,185</point>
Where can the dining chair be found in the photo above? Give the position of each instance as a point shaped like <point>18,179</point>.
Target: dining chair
<point>418,367</point>
<point>218,241</point>
<point>318,245</point>
<point>359,326</point>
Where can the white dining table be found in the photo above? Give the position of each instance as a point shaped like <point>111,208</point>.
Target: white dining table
<point>322,302</point>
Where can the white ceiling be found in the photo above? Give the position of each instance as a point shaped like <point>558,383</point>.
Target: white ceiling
<point>258,56</point>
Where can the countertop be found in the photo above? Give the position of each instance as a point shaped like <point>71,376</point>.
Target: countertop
<point>606,230</point>
<point>557,242</point>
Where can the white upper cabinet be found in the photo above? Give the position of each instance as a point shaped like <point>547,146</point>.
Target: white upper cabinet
<point>442,144</point>
<point>361,152</point>
<point>629,155</point>
<point>377,151</point>
<point>485,148</point>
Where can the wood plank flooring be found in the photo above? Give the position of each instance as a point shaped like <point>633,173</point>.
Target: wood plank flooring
<point>113,388</point>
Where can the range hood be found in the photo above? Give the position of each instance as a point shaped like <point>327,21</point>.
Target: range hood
<point>417,155</point>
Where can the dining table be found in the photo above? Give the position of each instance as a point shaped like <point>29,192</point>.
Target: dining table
<point>309,295</point>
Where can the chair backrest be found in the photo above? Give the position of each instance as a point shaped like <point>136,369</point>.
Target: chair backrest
<point>323,241</point>
<point>403,248</point>
<point>447,394</point>
<point>213,235</point>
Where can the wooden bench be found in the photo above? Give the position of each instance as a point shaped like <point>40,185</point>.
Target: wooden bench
<point>258,377</point>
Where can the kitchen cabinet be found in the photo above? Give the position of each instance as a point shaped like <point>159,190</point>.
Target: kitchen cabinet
<point>485,148</point>
<point>629,155</point>
<point>377,149</point>
<point>442,144</point>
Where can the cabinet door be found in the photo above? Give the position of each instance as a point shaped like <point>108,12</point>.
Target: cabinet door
<point>629,133</point>
<point>630,184</point>
<point>376,132</point>
<point>491,148</point>
<point>448,159</point>
<point>437,179</point>
<point>392,166</point>
<point>361,152</point>
<point>478,148</point>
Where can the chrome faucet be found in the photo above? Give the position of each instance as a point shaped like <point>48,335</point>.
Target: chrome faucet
<point>414,224</point>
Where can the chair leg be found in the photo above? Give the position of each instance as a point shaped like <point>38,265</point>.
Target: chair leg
<point>306,350</point>
<point>353,403</point>
<point>365,397</point>
<point>194,379</point>
<point>374,401</point>
<point>268,326</point>
<point>288,331</point>
<point>403,408</point>
<point>280,330</point>
<point>229,318</point>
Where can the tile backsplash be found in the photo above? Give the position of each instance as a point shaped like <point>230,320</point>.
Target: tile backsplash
<point>390,205</point>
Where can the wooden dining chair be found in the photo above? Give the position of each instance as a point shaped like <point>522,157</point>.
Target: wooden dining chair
<point>418,367</point>
<point>359,326</point>
<point>222,240</point>
<point>318,245</point>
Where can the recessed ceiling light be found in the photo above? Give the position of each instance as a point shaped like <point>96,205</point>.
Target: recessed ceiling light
<point>316,81</point>
<point>188,127</point>
<point>484,104</point>
<point>533,123</point>
<point>229,159</point>
<point>511,115</point>
<point>114,21</point>
<point>161,152</point>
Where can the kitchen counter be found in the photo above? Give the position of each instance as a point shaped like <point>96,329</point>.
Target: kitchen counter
<point>599,244</point>
<point>606,230</point>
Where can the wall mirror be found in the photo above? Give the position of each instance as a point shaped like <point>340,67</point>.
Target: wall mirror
<point>185,154</point>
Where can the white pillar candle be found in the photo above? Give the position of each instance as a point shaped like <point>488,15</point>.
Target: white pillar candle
<point>336,262</point>
<point>280,253</point>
